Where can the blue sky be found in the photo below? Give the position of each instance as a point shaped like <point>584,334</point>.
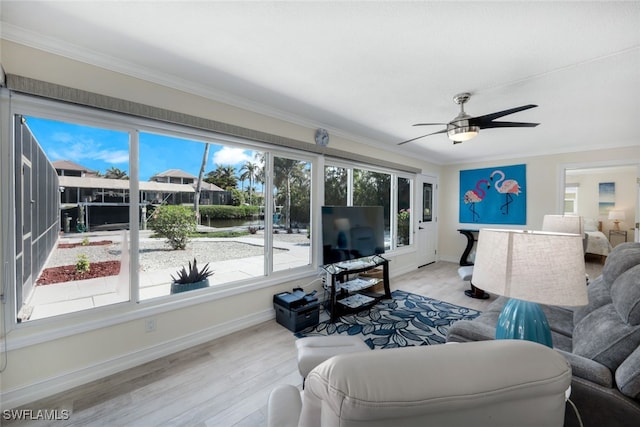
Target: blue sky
<point>100,149</point>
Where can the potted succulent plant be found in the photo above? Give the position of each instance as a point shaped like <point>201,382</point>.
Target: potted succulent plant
<point>191,278</point>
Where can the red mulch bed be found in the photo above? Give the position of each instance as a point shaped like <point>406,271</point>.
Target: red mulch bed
<point>68,273</point>
<point>75,245</point>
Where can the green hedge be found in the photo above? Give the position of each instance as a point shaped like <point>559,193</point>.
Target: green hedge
<point>227,212</point>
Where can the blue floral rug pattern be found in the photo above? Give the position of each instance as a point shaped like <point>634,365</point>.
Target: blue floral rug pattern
<point>405,320</point>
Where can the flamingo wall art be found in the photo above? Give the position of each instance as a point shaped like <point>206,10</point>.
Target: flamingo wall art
<point>494,195</point>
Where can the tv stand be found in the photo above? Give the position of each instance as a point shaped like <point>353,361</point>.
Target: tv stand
<point>349,296</point>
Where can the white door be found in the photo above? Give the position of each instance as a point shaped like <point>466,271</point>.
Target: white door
<point>636,226</point>
<point>425,220</point>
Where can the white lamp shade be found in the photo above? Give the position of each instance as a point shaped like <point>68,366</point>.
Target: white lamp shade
<point>563,224</point>
<point>617,215</point>
<point>535,266</point>
<point>342,224</point>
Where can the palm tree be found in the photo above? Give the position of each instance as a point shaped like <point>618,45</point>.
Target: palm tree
<point>196,199</point>
<point>115,173</point>
<point>223,176</point>
<point>250,172</point>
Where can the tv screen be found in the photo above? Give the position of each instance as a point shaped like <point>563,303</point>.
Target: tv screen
<point>351,232</point>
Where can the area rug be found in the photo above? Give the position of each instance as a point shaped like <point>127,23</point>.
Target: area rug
<point>405,320</point>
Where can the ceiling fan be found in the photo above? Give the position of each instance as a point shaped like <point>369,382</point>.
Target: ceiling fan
<point>464,127</point>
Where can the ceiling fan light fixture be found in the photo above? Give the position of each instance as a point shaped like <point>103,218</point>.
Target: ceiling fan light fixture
<point>460,129</point>
<point>461,134</point>
<point>464,127</point>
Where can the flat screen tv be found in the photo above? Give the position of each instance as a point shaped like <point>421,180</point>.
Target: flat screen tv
<point>351,232</point>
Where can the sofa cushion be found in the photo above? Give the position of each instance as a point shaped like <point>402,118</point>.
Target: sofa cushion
<point>625,294</point>
<point>604,337</point>
<point>628,375</point>
<point>623,257</point>
<point>599,295</point>
<point>560,319</point>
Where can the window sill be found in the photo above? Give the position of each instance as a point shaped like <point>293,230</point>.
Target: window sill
<point>39,331</point>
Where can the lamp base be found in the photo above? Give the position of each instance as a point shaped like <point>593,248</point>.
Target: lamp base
<point>523,320</point>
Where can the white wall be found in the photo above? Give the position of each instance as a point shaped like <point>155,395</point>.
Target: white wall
<point>80,357</point>
<point>544,174</point>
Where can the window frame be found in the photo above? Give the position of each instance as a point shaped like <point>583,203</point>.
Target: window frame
<point>58,111</point>
<point>51,328</point>
<point>571,189</point>
<point>393,203</point>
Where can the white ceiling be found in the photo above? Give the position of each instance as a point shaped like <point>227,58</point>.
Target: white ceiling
<point>369,70</point>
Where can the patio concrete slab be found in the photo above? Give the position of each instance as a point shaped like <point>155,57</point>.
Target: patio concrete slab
<point>60,298</point>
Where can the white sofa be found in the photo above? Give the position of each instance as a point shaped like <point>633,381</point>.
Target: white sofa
<point>487,383</point>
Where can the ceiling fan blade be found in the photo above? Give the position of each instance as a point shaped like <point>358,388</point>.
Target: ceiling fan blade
<point>430,124</point>
<point>413,139</point>
<point>478,121</point>
<point>507,125</point>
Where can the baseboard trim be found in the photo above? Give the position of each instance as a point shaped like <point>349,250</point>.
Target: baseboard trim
<point>60,383</point>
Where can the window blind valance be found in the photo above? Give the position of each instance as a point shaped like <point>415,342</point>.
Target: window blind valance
<point>57,92</point>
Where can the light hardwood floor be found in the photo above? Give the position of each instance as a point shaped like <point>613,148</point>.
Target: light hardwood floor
<point>225,382</point>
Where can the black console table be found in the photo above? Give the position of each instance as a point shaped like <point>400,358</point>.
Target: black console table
<point>471,239</point>
<point>474,292</point>
<point>342,288</point>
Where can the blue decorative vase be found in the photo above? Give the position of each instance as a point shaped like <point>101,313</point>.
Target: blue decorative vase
<point>523,320</point>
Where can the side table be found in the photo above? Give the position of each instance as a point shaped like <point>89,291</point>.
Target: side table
<point>466,270</point>
<point>617,233</point>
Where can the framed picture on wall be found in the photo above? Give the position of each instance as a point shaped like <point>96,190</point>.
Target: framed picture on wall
<point>606,197</point>
<point>494,195</point>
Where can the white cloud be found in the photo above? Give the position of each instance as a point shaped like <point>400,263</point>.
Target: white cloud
<point>232,156</point>
<point>118,156</point>
<point>81,148</point>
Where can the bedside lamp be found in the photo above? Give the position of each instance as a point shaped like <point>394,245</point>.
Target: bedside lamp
<point>616,216</point>
<point>531,268</point>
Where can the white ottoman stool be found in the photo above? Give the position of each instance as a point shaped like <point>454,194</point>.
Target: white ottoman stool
<point>314,350</point>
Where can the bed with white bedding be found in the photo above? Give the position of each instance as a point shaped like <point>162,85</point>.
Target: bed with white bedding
<point>597,242</point>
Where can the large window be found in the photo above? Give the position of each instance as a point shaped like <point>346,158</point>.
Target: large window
<point>571,199</point>
<point>109,209</point>
<point>124,210</point>
<point>359,186</point>
<point>336,185</point>
<point>292,213</point>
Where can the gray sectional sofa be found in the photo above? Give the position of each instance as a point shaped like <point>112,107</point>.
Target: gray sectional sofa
<point>601,341</point>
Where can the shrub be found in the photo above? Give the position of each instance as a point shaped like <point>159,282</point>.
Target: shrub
<point>174,223</point>
<point>82,264</point>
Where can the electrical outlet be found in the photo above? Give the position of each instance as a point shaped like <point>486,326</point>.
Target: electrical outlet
<point>150,325</point>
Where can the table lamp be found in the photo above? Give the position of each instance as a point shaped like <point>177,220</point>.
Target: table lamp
<point>531,268</point>
<point>563,224</point>
<point>616,216</point>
